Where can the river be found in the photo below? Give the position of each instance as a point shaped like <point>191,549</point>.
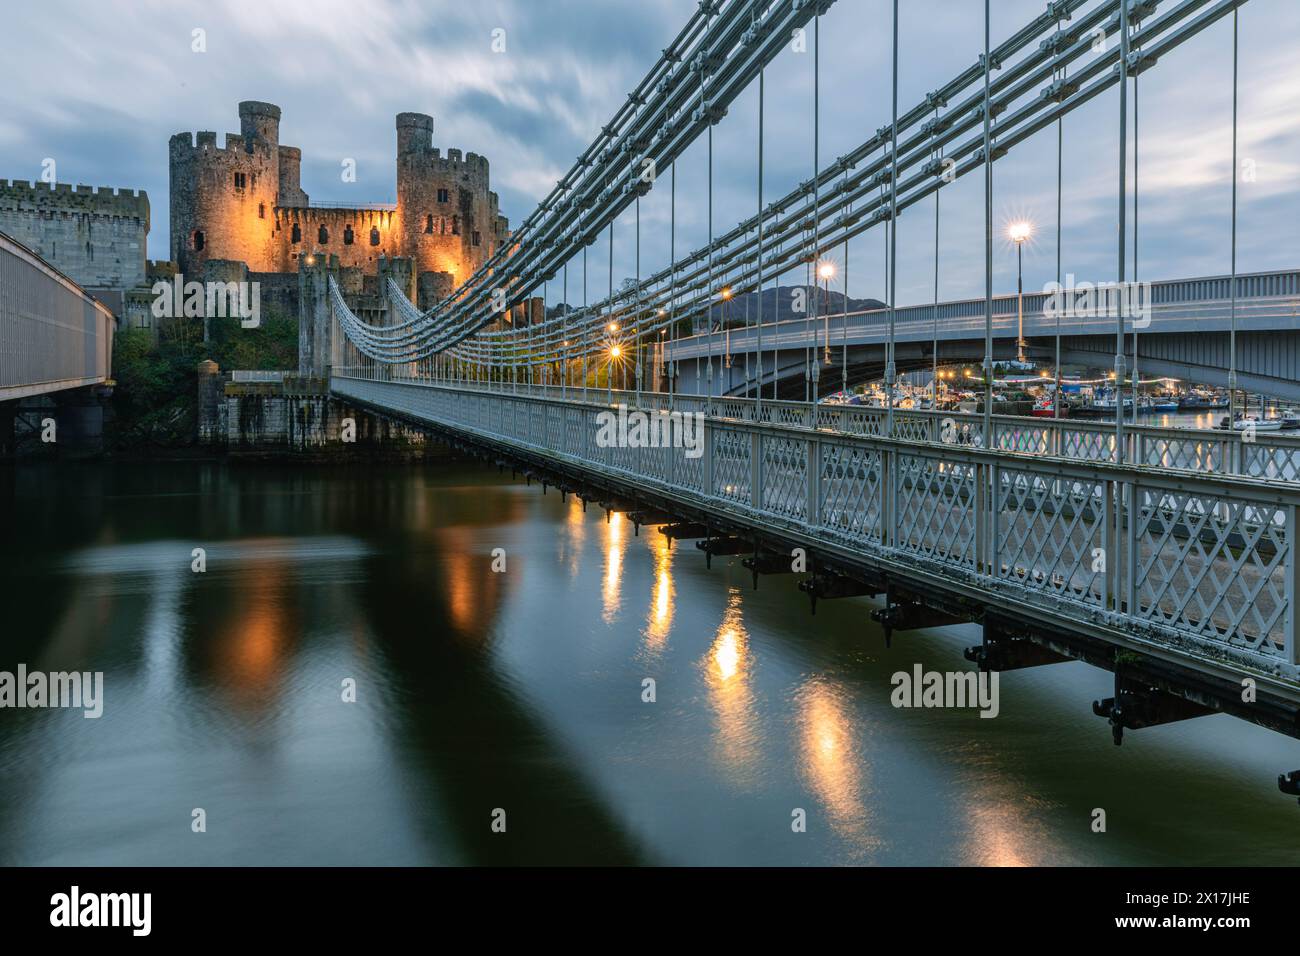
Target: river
<point>515,696</point>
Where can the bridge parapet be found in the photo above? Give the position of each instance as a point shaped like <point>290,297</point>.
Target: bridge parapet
<point>53,336</point>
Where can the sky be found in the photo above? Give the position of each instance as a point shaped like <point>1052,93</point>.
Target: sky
<point>101,86</point>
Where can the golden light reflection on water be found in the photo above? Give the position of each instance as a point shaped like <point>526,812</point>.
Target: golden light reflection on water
<point>251,660</point>
<point>471,592</point>
<point>1005,828</point>
<point>830,760</point>
<point>727,674</point>
<point>575,524</point>
<point>659,621</point>
<point>615,535</point>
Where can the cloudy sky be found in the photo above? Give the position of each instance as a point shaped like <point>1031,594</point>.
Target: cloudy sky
<point>99,87</point>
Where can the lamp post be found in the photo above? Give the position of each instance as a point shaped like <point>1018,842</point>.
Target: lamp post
<point>726,328</point>
<point>1019,232</point>
<point>825,272</point>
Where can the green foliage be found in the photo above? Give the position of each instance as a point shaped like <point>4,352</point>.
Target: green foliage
<point>155,401</point>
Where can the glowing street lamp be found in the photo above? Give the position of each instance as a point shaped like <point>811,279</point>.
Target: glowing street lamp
<point>1019,232</point>
<point>825,271</point>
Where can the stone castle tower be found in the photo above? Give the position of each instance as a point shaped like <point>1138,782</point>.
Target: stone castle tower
<point>244,202</point>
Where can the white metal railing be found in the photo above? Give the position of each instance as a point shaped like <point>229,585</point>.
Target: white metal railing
<point>1200,564</point>
<point>1263,455</point>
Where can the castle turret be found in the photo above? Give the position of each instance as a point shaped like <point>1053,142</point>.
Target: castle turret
<point>291,193</point>
<point>414,133</point>
<point>223,198</point>
<point>259,122</point>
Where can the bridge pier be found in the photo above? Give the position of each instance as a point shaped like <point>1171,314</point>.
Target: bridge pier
<point>8,413</point>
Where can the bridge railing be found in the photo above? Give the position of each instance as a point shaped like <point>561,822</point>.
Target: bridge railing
<point>1263,455</point>
<point>1193,564</point>
<point>53,335</point>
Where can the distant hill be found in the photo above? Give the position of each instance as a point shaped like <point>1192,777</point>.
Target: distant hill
<point>778,305</point>
<point>777,302</point>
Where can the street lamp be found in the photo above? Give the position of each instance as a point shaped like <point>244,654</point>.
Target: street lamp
<point>1019,232</point>
<point>825,272</point>
<point>726,329</point>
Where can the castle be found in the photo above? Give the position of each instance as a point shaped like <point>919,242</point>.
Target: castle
<point>244,203</point>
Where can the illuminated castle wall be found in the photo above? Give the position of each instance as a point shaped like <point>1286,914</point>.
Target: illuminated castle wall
<point>244,202</point>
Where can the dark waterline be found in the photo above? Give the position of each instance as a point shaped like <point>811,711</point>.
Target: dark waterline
<point>522,691</point>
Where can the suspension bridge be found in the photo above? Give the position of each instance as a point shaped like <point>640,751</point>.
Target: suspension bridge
<point>1167,556</point>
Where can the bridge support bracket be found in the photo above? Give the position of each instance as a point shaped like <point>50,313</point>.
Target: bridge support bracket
<point>912,616</point>
<point>1137,705</point>
<point>684,529</point>
<point>1289,783</point>
<point>830,585</point>
<point>722,545</point>
<point>768,562</point>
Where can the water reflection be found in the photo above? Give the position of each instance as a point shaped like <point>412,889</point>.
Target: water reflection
<point>831,762</point>
<point>729,678</point>
<point>659,620</point>
<point>575,524</point>
<point>615,535</point>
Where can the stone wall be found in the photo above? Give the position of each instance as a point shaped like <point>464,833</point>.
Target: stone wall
<point>96,237</point>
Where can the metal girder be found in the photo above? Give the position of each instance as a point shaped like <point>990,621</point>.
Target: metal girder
<point>1137,704</point>
<point>829,585</point>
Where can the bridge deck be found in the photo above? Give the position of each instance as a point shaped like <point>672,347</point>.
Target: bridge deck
<point>1195,569</point>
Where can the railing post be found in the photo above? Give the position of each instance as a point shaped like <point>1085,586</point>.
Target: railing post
<point>985,493</point>
<point>888,466</point>
<point>1127,599</point>
<point>1291,638</point>
<point>756,469</point>
<point>708,456</point>
<point>812,510</point>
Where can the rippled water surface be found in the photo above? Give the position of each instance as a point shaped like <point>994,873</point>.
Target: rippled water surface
<point>522,691</point>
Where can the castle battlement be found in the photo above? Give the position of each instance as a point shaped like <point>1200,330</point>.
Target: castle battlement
<point>333,214</point>
<point>95,235</point>
<point>64,198</point>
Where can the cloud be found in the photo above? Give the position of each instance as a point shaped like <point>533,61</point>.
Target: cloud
<point>101,88</point>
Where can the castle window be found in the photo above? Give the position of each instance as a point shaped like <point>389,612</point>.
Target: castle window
<point>261,210</point>
<point>198,240</point>
<point>347,235</point>
<point>476,240</point>
<point>297,233</point>
<point>241,180</point>
<point>428,224</point>
<point>374,235</point>
<point>442,225</point>
<point>455,225</point>
<point>323,235</point>
<point>444,195</point>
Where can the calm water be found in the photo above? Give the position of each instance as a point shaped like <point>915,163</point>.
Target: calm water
<point>522,691</point>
